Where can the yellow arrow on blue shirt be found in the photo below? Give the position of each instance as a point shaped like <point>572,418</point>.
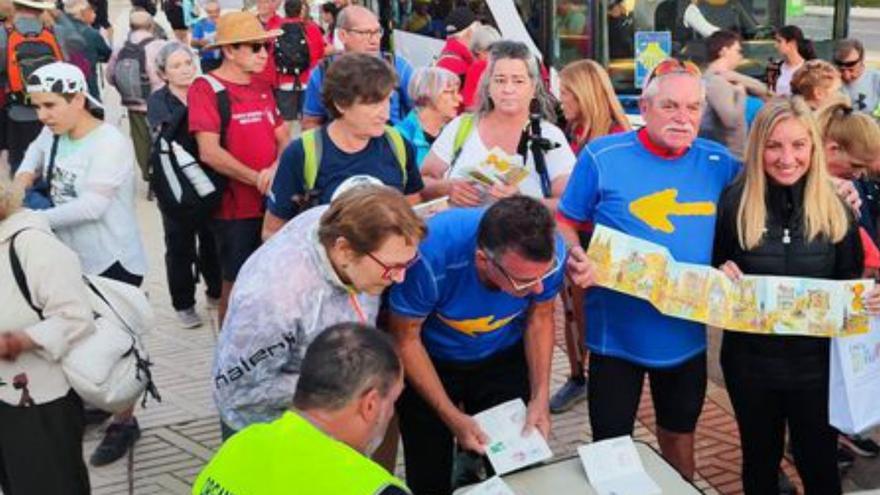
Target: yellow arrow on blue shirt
<point>474,326</point>
<point>656,208</point>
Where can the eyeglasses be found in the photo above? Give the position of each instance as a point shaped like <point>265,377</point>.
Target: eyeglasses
<point>372,33</point>
<point>847,64</point>
<point>390,270</point>
<point>520,285</point>
<point>674,66</point>
<point>255,47</point>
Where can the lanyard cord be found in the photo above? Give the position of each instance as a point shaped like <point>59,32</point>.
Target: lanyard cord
<point>356,305</point>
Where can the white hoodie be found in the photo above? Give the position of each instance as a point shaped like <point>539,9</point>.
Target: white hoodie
<point>54,278</point>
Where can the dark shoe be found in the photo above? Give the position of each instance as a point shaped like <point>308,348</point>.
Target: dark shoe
<point>785,486</point>
<point>845,460</point>
<point>96,416</point>
<point>118,438</point>
<point>861,446</point>
<point>568,395</point>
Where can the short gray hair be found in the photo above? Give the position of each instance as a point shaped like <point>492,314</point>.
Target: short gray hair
<point>483,38</point>
<point>427,83</point>
<point>653,87</point>
<point>515,50</point>
<point>345,16</point>
<point>169,49</point>
<point>343,362</point>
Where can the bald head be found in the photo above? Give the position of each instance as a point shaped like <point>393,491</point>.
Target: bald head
<point>359,29</point>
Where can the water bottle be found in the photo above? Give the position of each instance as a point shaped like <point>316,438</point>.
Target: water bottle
<point>193,171</point>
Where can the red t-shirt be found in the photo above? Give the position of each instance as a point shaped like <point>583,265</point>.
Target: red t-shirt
<point>455,57</point>
<point>472,82</point>
<point>315,40</point>
<point>250,137</point>
<point>268,74</point>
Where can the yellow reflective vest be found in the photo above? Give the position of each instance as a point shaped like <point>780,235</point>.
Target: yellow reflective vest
<point>291,456</point>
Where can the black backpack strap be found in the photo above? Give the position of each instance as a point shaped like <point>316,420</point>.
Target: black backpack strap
<point>53,152</point>
<point>18,274</point>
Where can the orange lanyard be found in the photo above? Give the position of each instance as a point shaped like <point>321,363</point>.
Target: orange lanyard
<point>356,305</point>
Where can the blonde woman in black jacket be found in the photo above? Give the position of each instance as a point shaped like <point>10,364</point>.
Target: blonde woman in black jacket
<point>782,217</point>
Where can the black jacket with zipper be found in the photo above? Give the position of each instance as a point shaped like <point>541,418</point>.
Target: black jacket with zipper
<point>781,362</point>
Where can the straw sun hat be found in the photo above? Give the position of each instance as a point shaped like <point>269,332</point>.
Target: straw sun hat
<point>240,27</point>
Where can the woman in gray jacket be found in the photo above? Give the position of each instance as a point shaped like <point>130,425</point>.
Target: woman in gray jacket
<point>41,417</point>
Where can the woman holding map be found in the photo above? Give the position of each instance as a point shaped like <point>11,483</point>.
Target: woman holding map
<point>488,155</point>
<point>782,217</point>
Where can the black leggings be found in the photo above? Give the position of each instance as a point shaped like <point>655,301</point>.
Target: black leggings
<point>41,448</point>
<point>190,251</point>
<point>762,415</point>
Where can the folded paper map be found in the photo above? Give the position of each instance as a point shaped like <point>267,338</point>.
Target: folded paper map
<point>499,168</point>
<point>508,449</point>
<point>755,304</point>
<point>430,208</point>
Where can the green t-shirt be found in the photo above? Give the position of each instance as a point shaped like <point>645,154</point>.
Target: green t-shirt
<point>290,455</point>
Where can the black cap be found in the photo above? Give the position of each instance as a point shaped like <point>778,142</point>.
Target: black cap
<point>459,19</point>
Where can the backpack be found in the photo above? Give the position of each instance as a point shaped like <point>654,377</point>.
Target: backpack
<point>130,73</point>
<point>312,151</point>
<point>186,190</point>
<point>108,368</point>
<point>292,54</point>
<point>25,53</point>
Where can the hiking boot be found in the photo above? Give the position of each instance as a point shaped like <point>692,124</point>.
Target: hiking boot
<point>568,395</point>
<point>845,460</point>
<point>188,318</point>
<point>118,438</point>
<point>861,446</point>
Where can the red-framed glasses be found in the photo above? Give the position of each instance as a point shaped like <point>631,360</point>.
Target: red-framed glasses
<point>392,269</point>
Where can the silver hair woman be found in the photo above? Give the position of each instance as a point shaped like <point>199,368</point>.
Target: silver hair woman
<point>511,83</point>
<point>435,93</point>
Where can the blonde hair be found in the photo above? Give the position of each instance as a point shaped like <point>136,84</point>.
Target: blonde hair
<point>856,132</point>
<point>11,195</point>
<point>814,75</point>
<point>824,212</point>
<point>597,103</point>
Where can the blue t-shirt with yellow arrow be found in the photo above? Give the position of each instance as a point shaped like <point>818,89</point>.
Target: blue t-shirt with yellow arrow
<point>620,183</point>
<point>465,321</point>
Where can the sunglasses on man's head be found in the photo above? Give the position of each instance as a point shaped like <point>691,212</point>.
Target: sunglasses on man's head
<point>256,47</point>
<point>675,66</point>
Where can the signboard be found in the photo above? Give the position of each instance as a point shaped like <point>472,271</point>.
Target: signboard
<point>652,47</point>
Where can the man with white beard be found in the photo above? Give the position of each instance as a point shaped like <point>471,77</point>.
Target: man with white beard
<point>661,184</point>
<point>349,380</point>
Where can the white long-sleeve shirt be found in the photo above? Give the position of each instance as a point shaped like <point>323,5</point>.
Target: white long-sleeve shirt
<point>93,191</point>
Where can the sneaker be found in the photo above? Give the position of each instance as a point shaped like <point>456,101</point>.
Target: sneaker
<point>118,438</point>
<point>845,460</point>
<point>188,318</point>
<point>567,396</point>
<point>861,446</point>
<point>784,484</point>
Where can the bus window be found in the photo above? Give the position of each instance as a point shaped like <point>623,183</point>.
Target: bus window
<point>571,26</point>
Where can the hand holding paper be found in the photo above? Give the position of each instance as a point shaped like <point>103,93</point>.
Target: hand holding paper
<point>508,449</point>
<point>537,417</point>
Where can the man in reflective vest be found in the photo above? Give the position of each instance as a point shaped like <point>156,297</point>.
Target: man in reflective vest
<point>349,380</point>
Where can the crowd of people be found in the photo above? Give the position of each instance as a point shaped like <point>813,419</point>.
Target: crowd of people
<point>289,159</point>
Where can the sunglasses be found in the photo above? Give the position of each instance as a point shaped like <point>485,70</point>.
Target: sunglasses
<point>843,64</point>
<point>674,66</point>
<point>256,47</point>
<point>374,33</point>
<point>390,270</point>
<point>520,285</point>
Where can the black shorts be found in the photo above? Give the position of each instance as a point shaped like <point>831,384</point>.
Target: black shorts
<point>288,101</point>
<point>174,14</point>
<point>236,241</point>
<point>615,388</point>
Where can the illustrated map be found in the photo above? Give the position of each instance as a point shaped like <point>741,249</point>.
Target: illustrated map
<point>755,304</point>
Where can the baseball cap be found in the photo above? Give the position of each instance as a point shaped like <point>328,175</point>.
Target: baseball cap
<point>61,78</point>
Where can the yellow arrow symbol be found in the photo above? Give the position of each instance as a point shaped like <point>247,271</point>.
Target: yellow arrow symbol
<point>477,325</point>
<point>655,209</point>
